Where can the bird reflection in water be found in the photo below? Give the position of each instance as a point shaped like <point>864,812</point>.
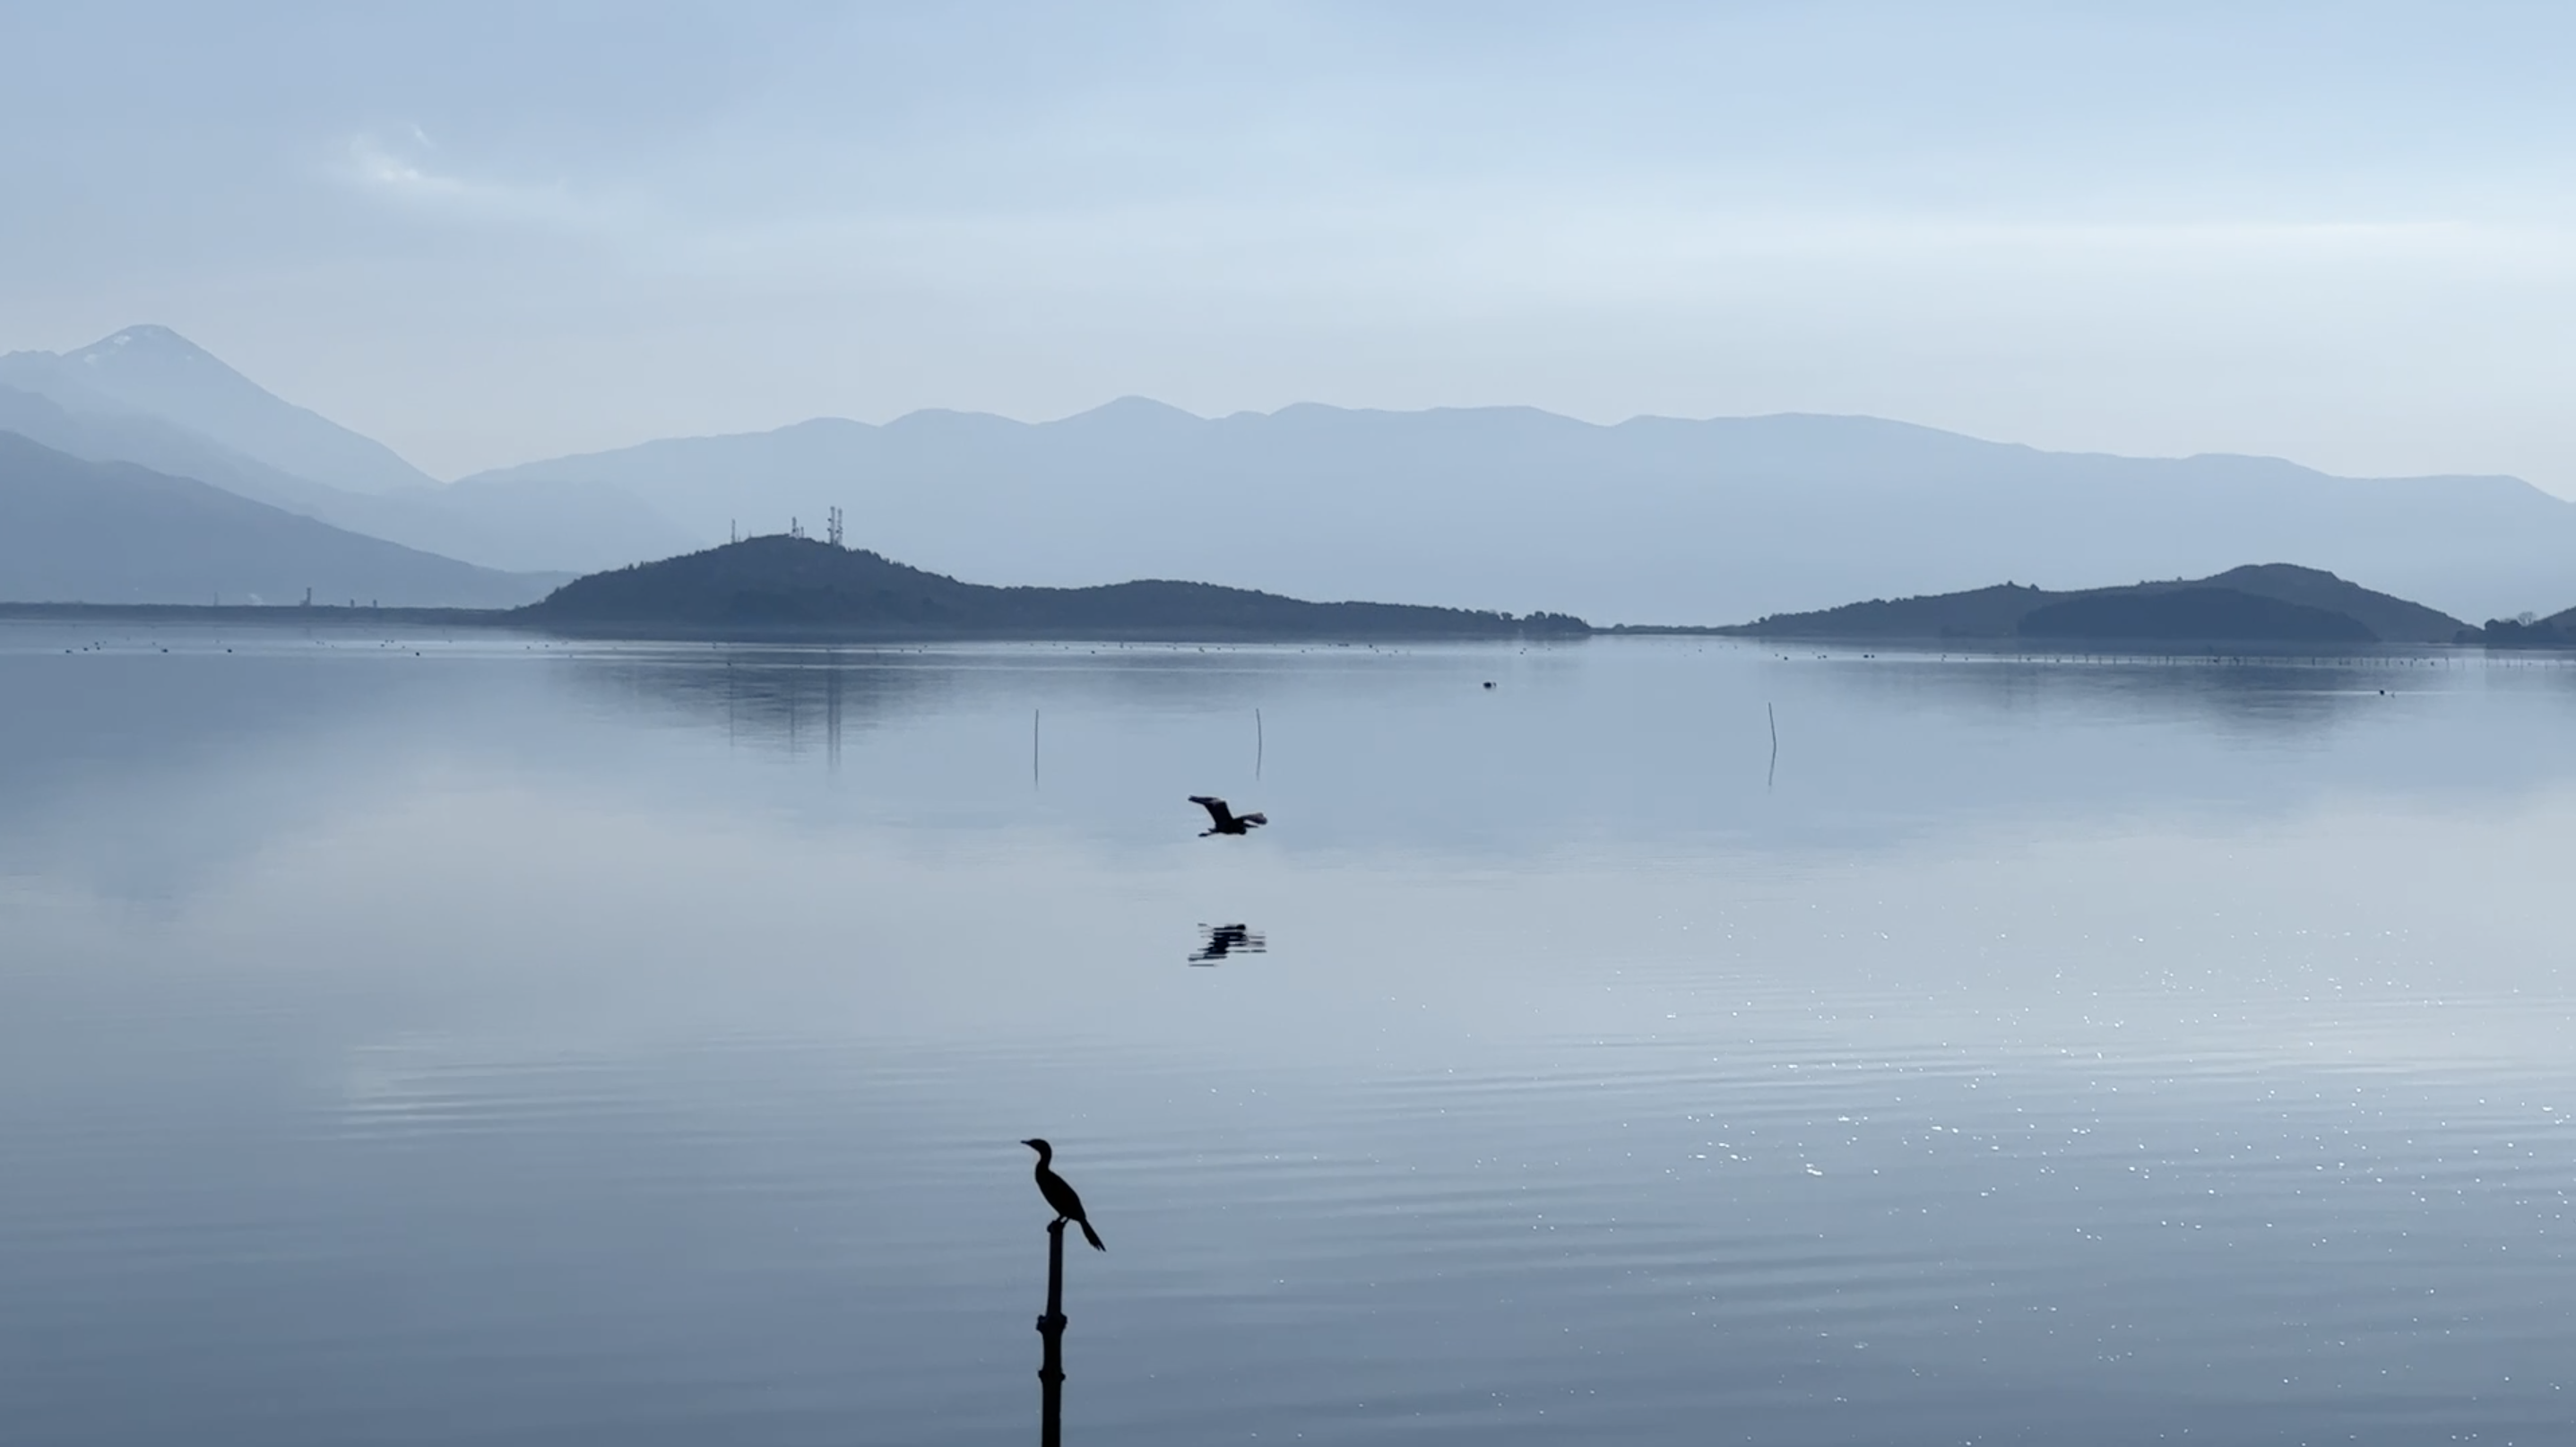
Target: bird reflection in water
<point>1224,940</point>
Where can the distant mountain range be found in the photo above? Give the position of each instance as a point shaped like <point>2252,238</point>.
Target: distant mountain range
<point>155,372</point>
<point>774,585</point>
<point>150,396</point>
<point>113,532</point>
<point>2267,603</point>
<point>1652,520</point>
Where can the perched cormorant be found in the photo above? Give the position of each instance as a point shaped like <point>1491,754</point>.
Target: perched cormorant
<point>1068,1206</point>
<point>1227,821</point>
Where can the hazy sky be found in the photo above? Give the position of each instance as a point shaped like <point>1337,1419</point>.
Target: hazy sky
<point>2339,232</point>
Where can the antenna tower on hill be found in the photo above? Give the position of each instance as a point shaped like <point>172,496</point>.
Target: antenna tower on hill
<point>832,528</point>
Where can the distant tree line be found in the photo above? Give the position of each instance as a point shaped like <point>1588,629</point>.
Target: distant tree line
<point>2528,631</point>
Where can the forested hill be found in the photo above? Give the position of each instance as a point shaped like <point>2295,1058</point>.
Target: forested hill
<point>2275,602</point>
<point>773,586</point>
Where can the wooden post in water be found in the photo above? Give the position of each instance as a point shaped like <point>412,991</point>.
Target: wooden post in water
<point>1051,1327</point>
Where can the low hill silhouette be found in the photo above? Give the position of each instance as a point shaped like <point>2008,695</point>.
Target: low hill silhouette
<point>2217,615</point>
<point>778,585</point>
<point>2268,602</point>
<point>2558,630</point>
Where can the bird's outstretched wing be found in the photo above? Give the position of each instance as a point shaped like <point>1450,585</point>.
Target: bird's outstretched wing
<point>1215,807</point>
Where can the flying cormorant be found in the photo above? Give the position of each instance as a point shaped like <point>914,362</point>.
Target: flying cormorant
<point>1227,821</point>
<point>1068,1206</point>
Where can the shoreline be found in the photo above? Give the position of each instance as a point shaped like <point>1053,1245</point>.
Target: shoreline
<point>503,620</point>
<point>514,621</point>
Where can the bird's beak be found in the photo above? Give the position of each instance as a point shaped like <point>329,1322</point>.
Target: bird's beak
<point>1032,1145</point>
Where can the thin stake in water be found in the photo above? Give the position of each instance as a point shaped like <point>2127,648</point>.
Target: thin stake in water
<point>1051,1332</point>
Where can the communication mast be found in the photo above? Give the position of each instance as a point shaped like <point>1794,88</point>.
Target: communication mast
<point>833,527</point>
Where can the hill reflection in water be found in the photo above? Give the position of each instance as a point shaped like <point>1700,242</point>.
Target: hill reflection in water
<point>153,767</point>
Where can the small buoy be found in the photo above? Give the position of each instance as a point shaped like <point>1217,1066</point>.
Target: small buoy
<point>1489,683</point>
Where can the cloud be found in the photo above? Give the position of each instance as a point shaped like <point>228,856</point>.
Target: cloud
<point>1500,250</point>
<point>400,175</point>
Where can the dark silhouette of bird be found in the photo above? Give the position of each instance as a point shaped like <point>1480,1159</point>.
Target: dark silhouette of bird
<point>1225,938</point>
<point>1068,1206</point>
<point>1227,821</point>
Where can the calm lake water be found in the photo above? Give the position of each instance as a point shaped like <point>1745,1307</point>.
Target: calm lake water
<point>470,1042</point>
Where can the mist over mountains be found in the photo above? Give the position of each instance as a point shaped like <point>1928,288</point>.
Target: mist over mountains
<point>155,372</point>
<point>1655,519</point>
<point>113,532</point>
<point>149,396</point>
<point>1650,520</point>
